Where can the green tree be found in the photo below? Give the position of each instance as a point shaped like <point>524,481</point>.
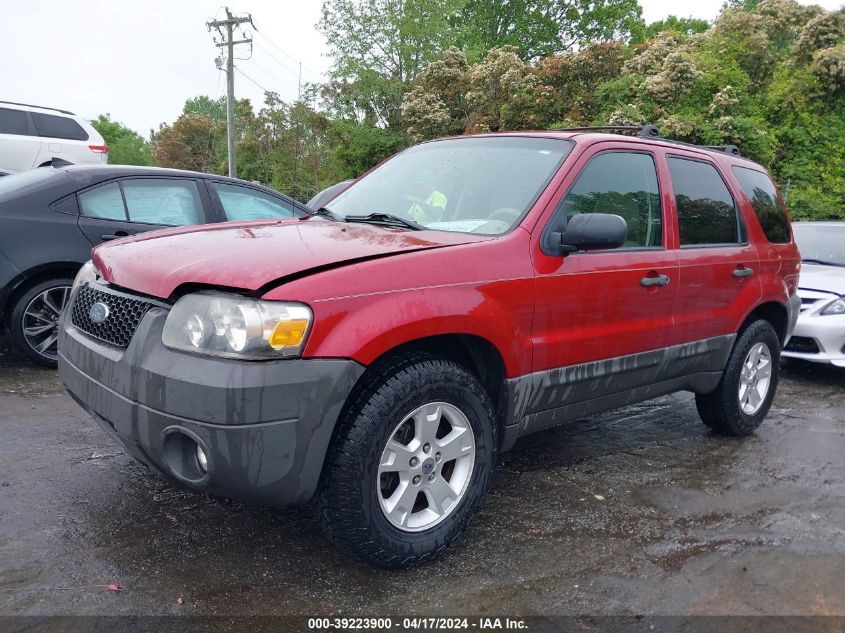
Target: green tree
<point>379,47</point>
<point>542,27</point>
<point>682,26</point>
<point>126,147</point>
<point>187,144</point>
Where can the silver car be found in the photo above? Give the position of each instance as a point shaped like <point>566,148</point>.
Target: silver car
<point>820,333</point>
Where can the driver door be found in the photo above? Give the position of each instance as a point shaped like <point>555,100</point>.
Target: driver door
<point>606,315</point>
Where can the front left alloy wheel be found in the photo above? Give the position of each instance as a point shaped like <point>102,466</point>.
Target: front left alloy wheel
<point>411,463</point>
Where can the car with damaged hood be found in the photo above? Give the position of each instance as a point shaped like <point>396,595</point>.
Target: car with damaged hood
<point>375,357</point>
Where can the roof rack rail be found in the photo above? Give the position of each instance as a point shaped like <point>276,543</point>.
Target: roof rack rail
<point>29,105</point>
<point>643,131</point>
<point>651,131</point>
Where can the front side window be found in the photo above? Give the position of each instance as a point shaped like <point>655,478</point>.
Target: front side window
<point>480,185</point>
<point>625,184</point>
<point>53,126</point>
<point>164,201</point>
<point>768,205</point>
<point>707,213</point>
<point>243,203</point>
<point>13,122</point>
<point>103,202</point>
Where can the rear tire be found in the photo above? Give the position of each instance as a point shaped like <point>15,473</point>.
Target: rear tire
<point>744,395</point>
<point>39,308</point>
<point>390,494</point>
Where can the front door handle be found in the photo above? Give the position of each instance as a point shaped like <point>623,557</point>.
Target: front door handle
<point>657,280</point>
<point>113,236</point>
<point>743,272</point>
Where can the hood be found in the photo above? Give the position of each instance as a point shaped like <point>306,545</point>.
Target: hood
<point>253,256</point>
<point>822,278</point>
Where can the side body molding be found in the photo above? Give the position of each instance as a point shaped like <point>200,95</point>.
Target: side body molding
<point>551,397</point>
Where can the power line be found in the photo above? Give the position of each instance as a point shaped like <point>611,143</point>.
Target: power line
<point>289,56</point>
<point>253,80</point>
<point>278,80</point>
<point>275,59</point>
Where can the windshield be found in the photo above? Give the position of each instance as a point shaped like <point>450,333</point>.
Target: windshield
<point>470,185</point>
<point>822,242</point>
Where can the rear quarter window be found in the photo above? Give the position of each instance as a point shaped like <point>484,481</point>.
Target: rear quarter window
<point>53,126</point>
<point>767,204</point>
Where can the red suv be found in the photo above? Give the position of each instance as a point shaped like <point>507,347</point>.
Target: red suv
<point>374,357</point>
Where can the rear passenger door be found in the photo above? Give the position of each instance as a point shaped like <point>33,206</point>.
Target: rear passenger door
<point>718,281</point>
<point>119,208</point>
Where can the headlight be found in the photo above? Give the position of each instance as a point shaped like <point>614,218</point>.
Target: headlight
<point>834,307</point>
<point>88,272</point>
<point>237,327</point>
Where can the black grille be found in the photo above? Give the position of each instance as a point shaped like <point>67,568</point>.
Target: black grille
<point>125,313</point>
<point>803,345</point>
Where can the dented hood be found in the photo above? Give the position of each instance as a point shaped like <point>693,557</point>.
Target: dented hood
<point>253,255</point>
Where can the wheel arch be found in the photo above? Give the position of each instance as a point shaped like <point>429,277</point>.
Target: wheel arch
<point>31,277</point>
<point>775,313</point>
<point>477,354</point>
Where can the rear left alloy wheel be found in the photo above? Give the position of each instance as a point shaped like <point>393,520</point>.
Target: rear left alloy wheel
<point>747,388</point>
<point>411,463</point>
<point>34,325</point>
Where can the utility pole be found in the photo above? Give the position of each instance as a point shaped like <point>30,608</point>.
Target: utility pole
<point>226,29</point>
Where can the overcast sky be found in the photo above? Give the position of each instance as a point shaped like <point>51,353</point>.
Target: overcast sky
<point>139,60</point>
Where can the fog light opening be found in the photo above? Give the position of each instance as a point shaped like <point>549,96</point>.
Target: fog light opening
<point>202,460</point>
<point>184,455</point>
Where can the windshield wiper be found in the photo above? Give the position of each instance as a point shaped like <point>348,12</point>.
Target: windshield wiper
<point>326,213</point>
<point>387,219</point>
<point>811,260</point>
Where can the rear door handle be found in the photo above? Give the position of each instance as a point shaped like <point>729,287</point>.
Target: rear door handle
<point>658,280</point>
<point>743,272</point>
<point>113,236</point>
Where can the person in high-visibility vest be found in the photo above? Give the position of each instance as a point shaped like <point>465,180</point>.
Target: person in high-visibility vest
<point>429,203</point>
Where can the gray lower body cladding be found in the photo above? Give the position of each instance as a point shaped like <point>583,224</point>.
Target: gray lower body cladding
<point>265,426</point>
<point>548,398</point>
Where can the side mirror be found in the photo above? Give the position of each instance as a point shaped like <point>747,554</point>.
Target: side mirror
<point>593,231</point>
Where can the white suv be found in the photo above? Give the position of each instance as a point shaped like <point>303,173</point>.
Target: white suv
<point>32,136</point>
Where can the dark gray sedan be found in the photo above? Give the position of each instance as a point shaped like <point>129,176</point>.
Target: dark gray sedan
<point>51,217</point>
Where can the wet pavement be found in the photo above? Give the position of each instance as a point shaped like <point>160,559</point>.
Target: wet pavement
<point>642,510</point>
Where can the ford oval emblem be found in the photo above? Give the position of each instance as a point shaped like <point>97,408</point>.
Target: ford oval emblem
<point>99,312</point>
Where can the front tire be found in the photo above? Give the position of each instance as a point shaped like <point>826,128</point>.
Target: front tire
<point>744,395</point>
<point>34,323</point>
<point>411,463</point>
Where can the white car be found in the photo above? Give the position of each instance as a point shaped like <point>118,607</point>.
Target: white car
<point>32,136</point>
<point>820,333</point>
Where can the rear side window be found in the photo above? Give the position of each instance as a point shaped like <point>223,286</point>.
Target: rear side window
<point>53,126</point>
<point>13,122</point>
<point>104,202</point>
<point>163,201</point>
<point>767,204</point>
<point>706,210</point>
<point>623,183</point>
<point>243,203</point>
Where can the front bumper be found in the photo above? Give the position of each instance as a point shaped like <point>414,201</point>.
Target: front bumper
<point>265,427</point>
<point>820,339</point>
